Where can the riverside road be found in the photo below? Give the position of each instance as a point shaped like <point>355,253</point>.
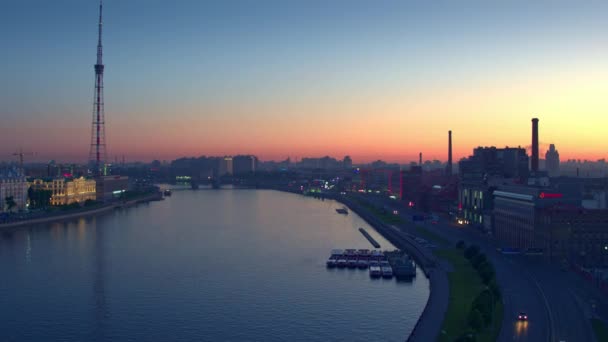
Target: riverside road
<point>558,308</point>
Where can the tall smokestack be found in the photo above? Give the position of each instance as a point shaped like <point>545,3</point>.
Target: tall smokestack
<point>535,145</point>
<point>420,159</point>
<point>449,166</point>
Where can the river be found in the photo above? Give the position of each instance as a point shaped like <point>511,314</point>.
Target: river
<point>207,265</point>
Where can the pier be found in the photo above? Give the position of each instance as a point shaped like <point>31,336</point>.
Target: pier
<point>369,238</point>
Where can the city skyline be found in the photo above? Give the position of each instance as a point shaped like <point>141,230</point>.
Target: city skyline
<point>369,82</point>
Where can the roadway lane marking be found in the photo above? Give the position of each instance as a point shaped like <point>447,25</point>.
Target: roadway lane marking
<point>546,302</point>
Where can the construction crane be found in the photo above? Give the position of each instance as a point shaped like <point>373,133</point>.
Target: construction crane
<point>21,154</point>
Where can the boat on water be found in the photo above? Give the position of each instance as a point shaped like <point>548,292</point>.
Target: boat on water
<point>404,269</point>
<point>342,211</point>
<point>352,262</point>
<point>362,263</point>
<point>350,252</point>
<point>336,252</point>
<point>374,270</point>
<point>341,263</point>
<point>363,252</point>
<point>331,262</point>
<point>387,271</point>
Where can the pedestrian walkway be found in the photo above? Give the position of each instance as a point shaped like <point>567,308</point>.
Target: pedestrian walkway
<point>429,325</point>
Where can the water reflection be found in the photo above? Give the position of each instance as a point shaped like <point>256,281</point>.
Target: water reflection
<point>99,290</point>
<point>28,248</point>
<point>211,265</point>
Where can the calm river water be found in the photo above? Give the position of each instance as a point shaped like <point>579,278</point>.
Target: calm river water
<point>223,265</point>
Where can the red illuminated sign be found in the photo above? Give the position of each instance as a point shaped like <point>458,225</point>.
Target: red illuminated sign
<point>544,195</point>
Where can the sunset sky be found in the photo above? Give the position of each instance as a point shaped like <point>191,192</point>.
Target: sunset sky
<point>371,79</point>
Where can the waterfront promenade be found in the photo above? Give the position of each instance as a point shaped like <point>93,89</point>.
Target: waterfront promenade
<point>83,212</point>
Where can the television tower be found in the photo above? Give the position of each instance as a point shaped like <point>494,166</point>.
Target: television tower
<point>97,152</point>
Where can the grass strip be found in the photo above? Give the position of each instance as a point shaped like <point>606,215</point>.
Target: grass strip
<point>600,328</point>
<point>465,285</point>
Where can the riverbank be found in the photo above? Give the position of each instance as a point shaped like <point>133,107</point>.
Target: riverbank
<point>428,326</point>
<point>84,212</point>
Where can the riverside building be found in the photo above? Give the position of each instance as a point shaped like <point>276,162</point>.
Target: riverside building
<point>67,190</point>
<point>13,185</point>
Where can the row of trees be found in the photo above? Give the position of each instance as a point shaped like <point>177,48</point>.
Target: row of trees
<point>482,311</point>
<point>41,199</point>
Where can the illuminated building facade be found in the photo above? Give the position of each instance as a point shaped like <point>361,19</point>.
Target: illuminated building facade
<point>68,191</point>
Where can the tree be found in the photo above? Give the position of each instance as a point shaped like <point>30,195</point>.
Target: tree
<point>467,337</point>
<point>477,260</point>
<point>486,272</point>
<point>10,203</point>
<point>485,304</point>
<point>471,252</point>
<point>476,320</point>
<point>493,286</point>
<point>39,198</point>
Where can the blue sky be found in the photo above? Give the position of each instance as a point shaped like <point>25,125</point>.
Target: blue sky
<point>205,61</point>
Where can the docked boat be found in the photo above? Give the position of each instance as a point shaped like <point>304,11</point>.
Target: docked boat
<point>342,211</point>
<point>374,270</point>
<point>387,271</point>
<point>336,253</point>
<point>331,262</point>
<point>363,252</point>
<point>351,262</point>
<point>350,252</point>
<point>404,269</point>
<point>362,263</point>
<point>341,263</point>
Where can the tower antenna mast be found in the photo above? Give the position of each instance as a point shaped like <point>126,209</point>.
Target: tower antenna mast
<point>97,152</point>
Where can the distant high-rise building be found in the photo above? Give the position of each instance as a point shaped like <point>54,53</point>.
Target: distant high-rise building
<point>347,162</point>
<point>320,163</point>
<point>552,161</point>
<point>226,166</point>
<point>244,164</point>
<point>506,162</point>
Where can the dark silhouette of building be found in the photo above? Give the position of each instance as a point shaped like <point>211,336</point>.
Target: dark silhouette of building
<point>534,165</point>
<point>506,162</point>
<point>449,166</point>
<point>244,164</point>
<point>552,161</point>
<point>347,163</point>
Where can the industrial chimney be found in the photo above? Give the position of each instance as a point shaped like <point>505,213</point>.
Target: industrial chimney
<point>535,145</point>
<point>420,159</point>
<point>449,166</point>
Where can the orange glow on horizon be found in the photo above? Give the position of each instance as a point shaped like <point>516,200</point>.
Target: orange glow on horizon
<point>393,126</point>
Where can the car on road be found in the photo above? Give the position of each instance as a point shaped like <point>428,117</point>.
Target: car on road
<point>522,317</point>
